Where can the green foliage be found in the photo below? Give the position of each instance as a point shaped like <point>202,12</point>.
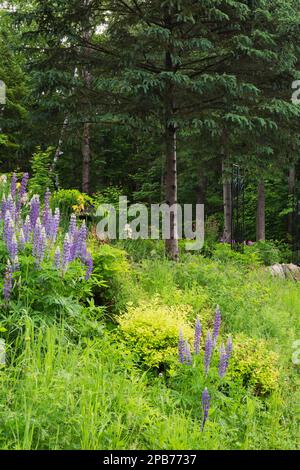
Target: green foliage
<point>254,365</point>
<point>41,174</point>
<point>151,331</point>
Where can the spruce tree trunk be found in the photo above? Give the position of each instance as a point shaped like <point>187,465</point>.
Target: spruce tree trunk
<point>291,186</point>
<point>227,203</point>
<point>86,158</point>
<point>171,243</point>
<point>260,215</point>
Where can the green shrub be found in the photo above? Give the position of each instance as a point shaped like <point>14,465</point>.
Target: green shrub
<point>151,331</point>
<point>110,264</point>
<point>70,201</point>
<point>255,365</point>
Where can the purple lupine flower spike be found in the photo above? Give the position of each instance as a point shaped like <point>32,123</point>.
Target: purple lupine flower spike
<point>41,245</point>
<point>89,266</point>
<point>22,240</point>
<point>36,237</point>
<point>205,407</point>
<point>34,210</point>
<point>27,229</point>
<point>223,363</point>
<point>198,330</point>
<point>217,326</point>
<point>3,206</point>
<point>66,252</point>
<point>23,186</point>
<point>13,185</point>
<point>188,356</point>
<point>208,352</point>
<point>181,348</point>
<point>228,349</point>
<point>8,282</point>
<point>13,247</point>
<point>72,226</point>
<point>57,257</point>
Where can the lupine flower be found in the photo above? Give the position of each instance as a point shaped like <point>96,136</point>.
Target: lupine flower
<point>205,407</point>
<point>208,352</point>
<point>217,325</point>
<point>72,226</point>
<point>13,247</point>
<point>188,356</point>
<point>8,282</point>
<point>10,205</point>
<point>223,363</point>
<point>22,240</point>
<point>41,245</point>
<point>13,185</point>
<point>181,348</point>
<point>81,245</point>
<point>66,252</point>
<point>197,338</point>
<point>89,265</point>
<point>229,348</point>
<point>27,228</point>
<point>57,256</point>
<point>3,206</point>
<point>34,209</point>
<point>53,229</point>
<point>36,237</point>
<point>23,186</point>
<point>8,228</point>
<point>74,245</point>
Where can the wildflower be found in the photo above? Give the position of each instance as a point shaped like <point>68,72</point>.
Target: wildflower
<point>8,283</point>
<point>181,348</point>
<point>66,252</point>
<point>205,407</point>
<point>229,348</point>
<point>223,363</point>
<point>3,206</point>
<point>27,228</point>
<point>34,210</point>
<point>36,237</point>
<point>22,240</point>
<point>40,252</point>
<point>217,325</point>
<point>188,356</point>
<point>208,352</point>
<point>197,338</point>
<point>23,186</point>
<point>72,226</point>
<point>54,225</point>
<point>89,265</point>
<point>13,247</point>
<point>57,256</point>
<point>81,244</point>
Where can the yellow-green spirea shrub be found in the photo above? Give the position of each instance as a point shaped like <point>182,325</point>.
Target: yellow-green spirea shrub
<point>151,331</point>
<point>254,364</point>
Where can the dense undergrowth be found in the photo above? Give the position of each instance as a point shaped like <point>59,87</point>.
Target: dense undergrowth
<point>93,364</point>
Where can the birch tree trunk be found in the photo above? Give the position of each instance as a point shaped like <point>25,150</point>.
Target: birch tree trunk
<point>291,187</point>
<point>171,243</point>
<point>260,215</point>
